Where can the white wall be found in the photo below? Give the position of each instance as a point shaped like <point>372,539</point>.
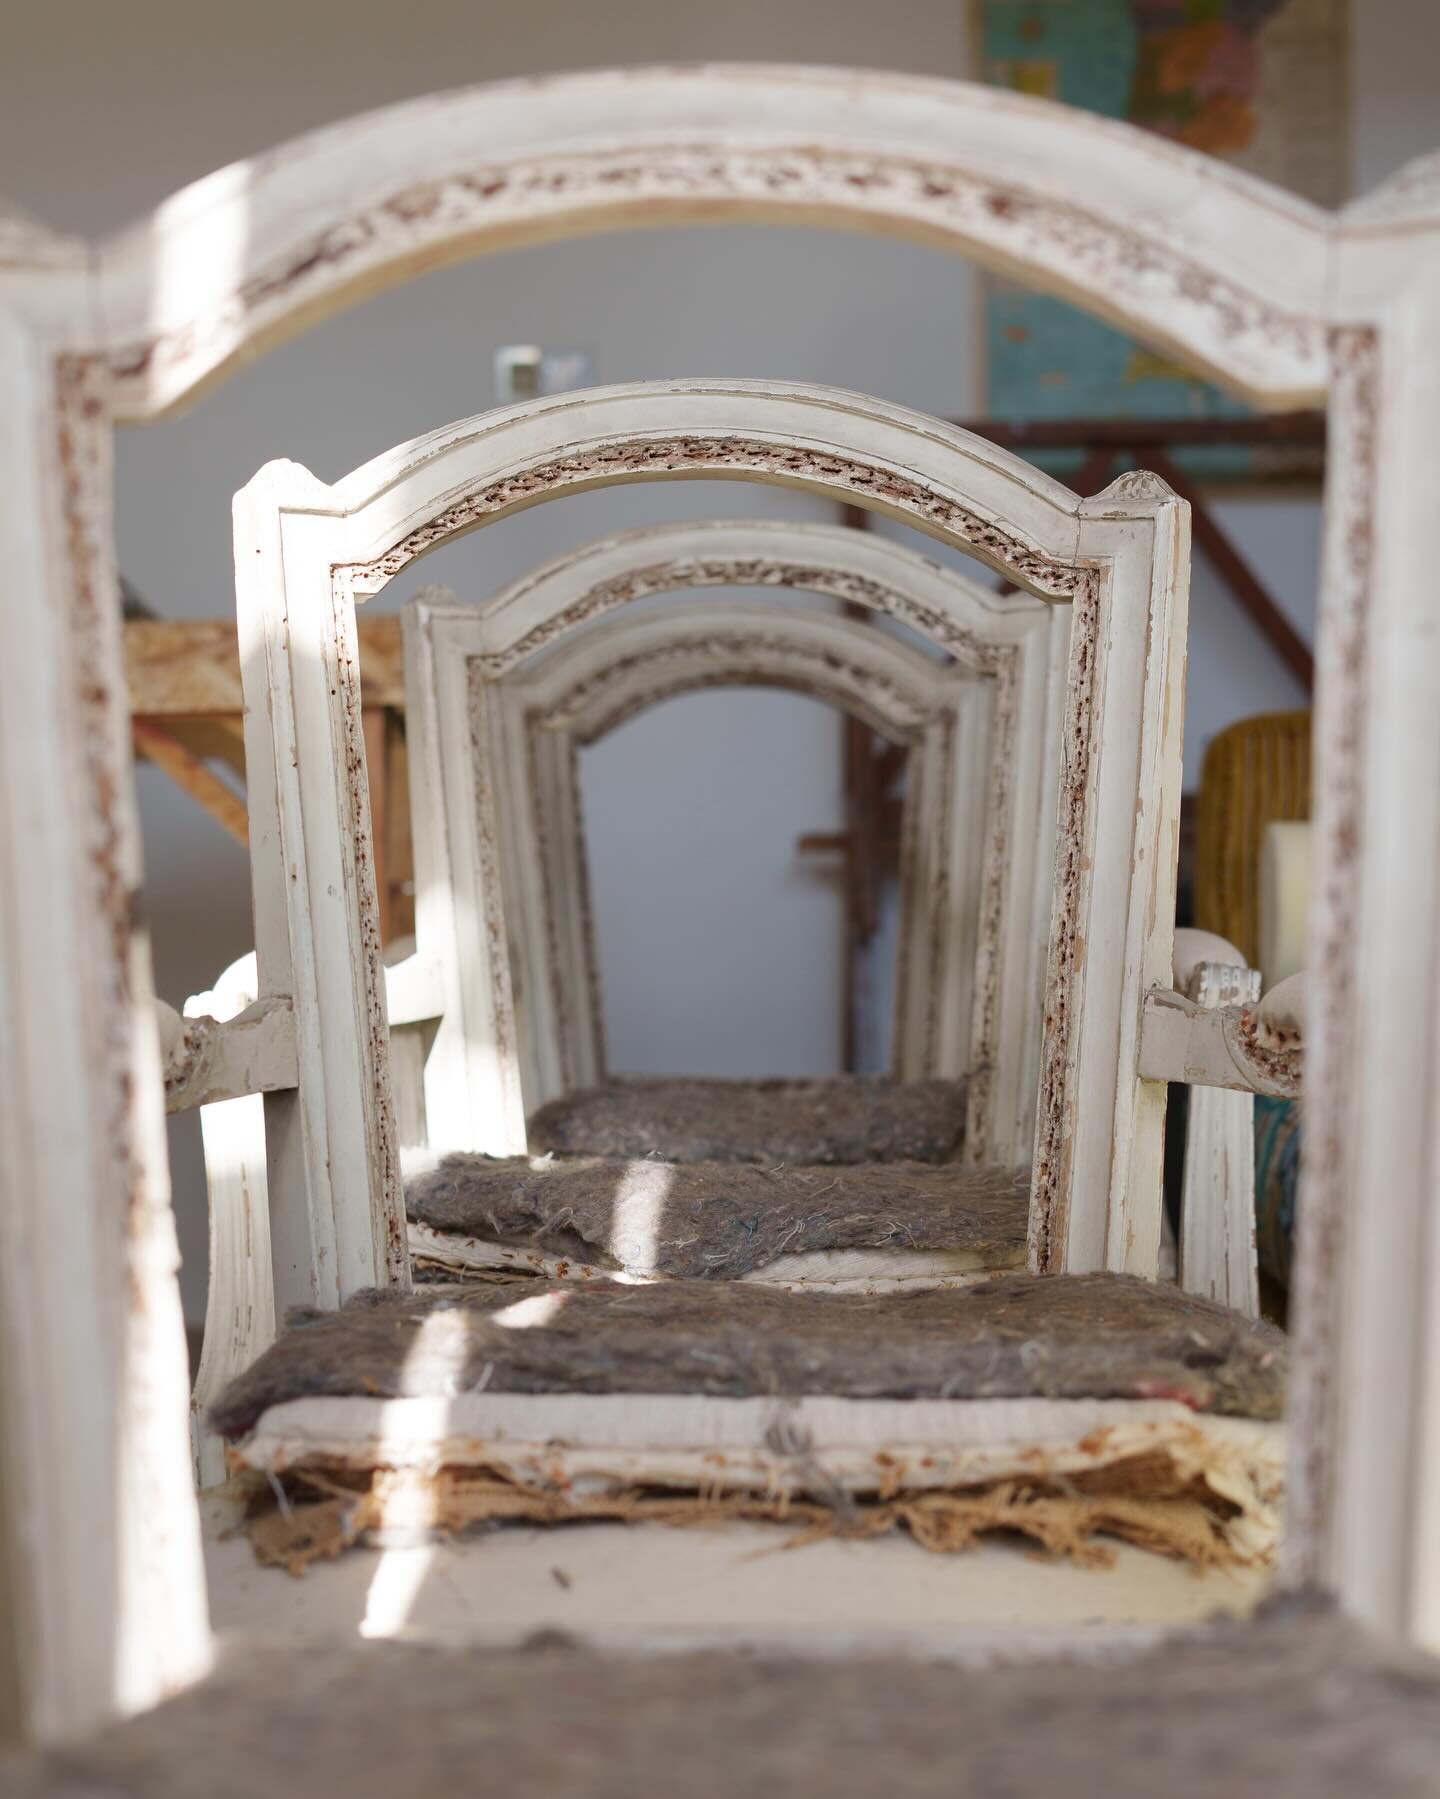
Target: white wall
<point>722,945</point>
<point>104,108</point>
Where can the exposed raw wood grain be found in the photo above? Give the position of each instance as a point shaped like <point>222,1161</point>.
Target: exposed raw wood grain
<point>397,860</point>
<point>155,744</point>
<point>189,669</point>
<point>220,738</point>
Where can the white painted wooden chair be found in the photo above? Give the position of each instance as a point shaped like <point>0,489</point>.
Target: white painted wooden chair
<point>501,696</point>
<point>335,1205</point>
<point>335,1200</point>
<point>530,675</point>
<point>1285,303</point>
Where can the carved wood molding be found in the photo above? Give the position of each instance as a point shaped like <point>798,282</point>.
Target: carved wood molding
<point>676,185</point>
<point>218,1059</point>
<point>1085,207</point>
<point>527,654</point>
<point>863,680</point>
<point>1201,1044</point>
<point>661,455</point>
<point>679,574</point>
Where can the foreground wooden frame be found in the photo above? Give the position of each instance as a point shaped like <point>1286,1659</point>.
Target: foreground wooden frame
<point>1284,303</point>
<point>975,882</point>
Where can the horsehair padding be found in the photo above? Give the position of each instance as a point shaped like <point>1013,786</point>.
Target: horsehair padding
<point>1061,1472</point>
<point>841,1119</point>
<point>1179,1506</point>
<point>1295,1700</point>
<point>1093,1336</point>
<point>721,1221</point>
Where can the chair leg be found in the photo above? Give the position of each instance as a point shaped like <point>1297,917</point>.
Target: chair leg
<point>1217,1204</point>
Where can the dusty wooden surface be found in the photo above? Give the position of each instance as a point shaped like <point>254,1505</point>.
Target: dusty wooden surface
<point>182,679</point>
<point>189,668</point>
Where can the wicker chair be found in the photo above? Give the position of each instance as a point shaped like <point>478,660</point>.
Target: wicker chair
<point>1255,771</point>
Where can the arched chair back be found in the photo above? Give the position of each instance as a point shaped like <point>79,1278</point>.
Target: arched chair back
<point>306,552</point>
<point>980,725</point>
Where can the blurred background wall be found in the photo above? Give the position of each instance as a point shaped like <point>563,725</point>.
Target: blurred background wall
<point>721,947</point>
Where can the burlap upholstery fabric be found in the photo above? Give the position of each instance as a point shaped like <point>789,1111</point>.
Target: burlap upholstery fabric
<point>717,1220</point>
<point>846,1119</point>
<point>1093,1336</point>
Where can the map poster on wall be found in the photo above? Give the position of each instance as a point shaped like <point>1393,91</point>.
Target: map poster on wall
<point>1260,83</point>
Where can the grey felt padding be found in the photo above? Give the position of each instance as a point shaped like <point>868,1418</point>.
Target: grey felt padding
<point>717,1220</point>
<point>1294,1703</point>
<point>1093,1336</point>
<point>843,1119</point>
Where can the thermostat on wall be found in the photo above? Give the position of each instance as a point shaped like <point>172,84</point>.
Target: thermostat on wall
<point>523,371</point>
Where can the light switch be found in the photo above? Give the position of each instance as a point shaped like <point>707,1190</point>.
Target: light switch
<point>523,371</point>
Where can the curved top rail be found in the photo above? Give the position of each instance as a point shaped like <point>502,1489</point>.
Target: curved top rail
<point>1227,272</point>
<point>594,681</point>
<point>973,494</point>
<point>802,556</point>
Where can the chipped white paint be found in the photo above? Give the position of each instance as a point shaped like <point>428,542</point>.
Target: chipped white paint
<point>1282,1019</point>
<point>983,727</point>
<point>1213,1046</point>
<point>213,1060</point>
<point>1365,1480</point>
<point>246,1049</point>
<point>1223,270</point>
<point>536,720</point>
<point>1217,1203</point>
<point>97,1514</point>
<point>331,1139</point>
<point>240,1301</point>
<point>1232,276</point>
<point>1122,559</point>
